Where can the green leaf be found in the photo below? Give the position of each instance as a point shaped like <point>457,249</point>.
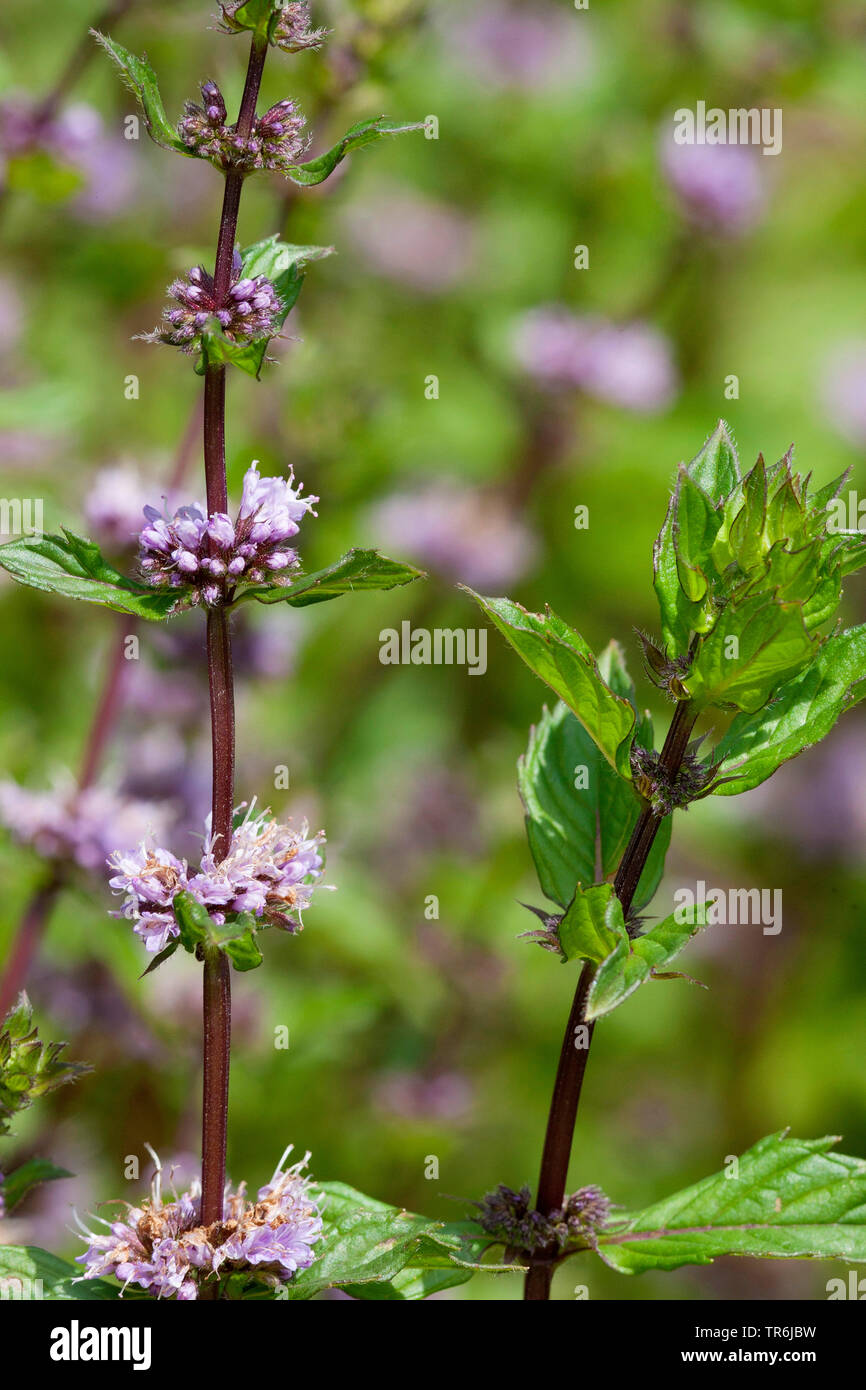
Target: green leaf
<point>283,264</point>
<point>140,78</point>
<point>632,962</point>
<point>364,133</point>
<point>678,614</point>
<point>716,468</point>
<point>772,646</point>
<point>562,659</point>
<point>789,1199</point>
<point>804,712</point>
<point>272,257</point>
<point>593,924</point>
<point>74,567</point>
<point>356,570</point>
<point>28,1175</point>
<point>161,957</point>
<point>30,1273</point>
<point>236,937</point>
<point>696,525</point>
<point>575,831</point>
<point>243,951</point>
<point>367,1245</point>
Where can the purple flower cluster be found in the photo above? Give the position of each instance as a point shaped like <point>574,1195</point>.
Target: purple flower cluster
<point>208,556</point>
<point>250,309</point>
<point>292,30</point>
<point>69,826</point>
<point>101,165</point>
<point>276,140</point>
<point>162,1247</point>
<point>628,365</point>
<point>270,871</point>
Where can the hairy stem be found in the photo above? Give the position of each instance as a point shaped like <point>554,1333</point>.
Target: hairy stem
<point>575,1045</point>
<point>216,996</point>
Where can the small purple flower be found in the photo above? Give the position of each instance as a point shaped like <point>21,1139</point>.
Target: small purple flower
<point>162,1247</point>
<point>270,871</point>
<point>205,558</point>
<point>276,141</point>
<point>628,365</point>
<point>719,187</point>
<point>251,309</point>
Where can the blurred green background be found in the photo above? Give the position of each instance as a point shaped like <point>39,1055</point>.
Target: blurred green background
<point>413,1036</point>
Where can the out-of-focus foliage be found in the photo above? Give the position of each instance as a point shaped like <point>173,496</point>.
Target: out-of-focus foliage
<point>422,1035</point>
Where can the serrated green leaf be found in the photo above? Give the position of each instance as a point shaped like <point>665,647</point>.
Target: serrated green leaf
<point>259,16</point>
<point>140,78</point>
<point>803,713</point>
<point>561,658</point>
<point>632,962</point>
<point>273,257</point>
<point>367,1245</point>
<point>26,1176</point>
<point>74,567</point>
<point>357,570</point>
<point>787,1199</point>
<point>772,646</point>
<point>363,133</point>
<point>30,1273</point>
<point>593,926</point>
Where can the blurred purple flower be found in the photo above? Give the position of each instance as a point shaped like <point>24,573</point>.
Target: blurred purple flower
<point>843,390</point>
<point>162,1247</point>
<point>76,138</point>
<point>465,534</point>
<point>72,826</point>
<point>818,802</point>
<point>444,1095</point>
<point>719,187</point>
<point>11,316</point>
<point>530,46</point>
<point>629,365</point>
<point>115,500</point>
<point>408,237</point>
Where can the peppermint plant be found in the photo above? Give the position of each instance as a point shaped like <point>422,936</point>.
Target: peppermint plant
<point>297,1237</point>
<point>748,573</point>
